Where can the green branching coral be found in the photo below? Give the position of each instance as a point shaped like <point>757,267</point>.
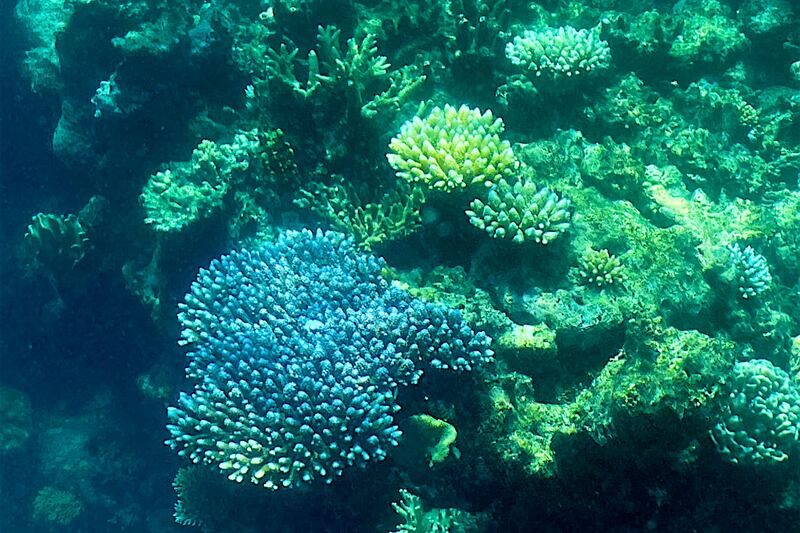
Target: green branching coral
<point>760,417</point>
<point>178,196</point>
<point>521,212</point>
<point>356,70</point>
<point>600,268</point>
<point>559,54</point>
<point>394,215</point>
<point>452,149</point>
<point>193,190</point>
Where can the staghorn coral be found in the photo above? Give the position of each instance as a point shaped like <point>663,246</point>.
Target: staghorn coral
<point>356,71</point>
<point>297,349</point>
<point>760,415</point>
<point>416,519</point>
<point>521,212</point>
<point>452,149</point>
<point>394,215</point>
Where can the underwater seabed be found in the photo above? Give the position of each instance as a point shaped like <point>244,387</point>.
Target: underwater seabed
<point>399,267</point>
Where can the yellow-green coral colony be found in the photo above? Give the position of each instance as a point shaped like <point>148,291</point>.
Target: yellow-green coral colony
<point>601,268</point>
<point>521,212</point>
<point>452,149</point>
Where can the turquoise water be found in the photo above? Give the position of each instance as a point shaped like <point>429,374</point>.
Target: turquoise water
<point>435,266</point>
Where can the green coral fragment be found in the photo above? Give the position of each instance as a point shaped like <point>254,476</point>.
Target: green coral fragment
<point>426,437</point>
<point>760,417</point>
<point>601,268</point>
<point>452,149</point>
<point>521,212</point>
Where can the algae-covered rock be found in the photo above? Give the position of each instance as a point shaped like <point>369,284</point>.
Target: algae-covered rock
<point>667,369</point>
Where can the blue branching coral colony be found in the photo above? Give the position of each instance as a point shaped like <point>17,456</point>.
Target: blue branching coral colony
<point>297,349</point>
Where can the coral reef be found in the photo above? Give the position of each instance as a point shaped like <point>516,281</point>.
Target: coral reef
<point>630,243</point>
